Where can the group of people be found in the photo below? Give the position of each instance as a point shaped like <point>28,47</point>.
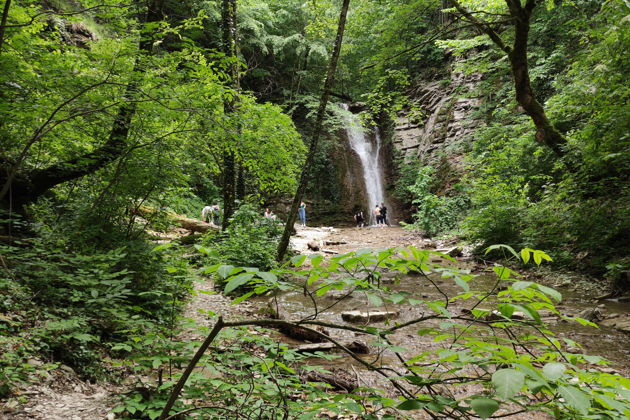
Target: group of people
<point>380,216</point>
<point>211,214</point>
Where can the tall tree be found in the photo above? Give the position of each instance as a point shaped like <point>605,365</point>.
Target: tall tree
<point>519,17</point>
<point>228,11</point>
<point>317,131</point>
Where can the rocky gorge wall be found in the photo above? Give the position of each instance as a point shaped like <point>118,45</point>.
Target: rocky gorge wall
<point>444,130</point>
<point>440,138</point>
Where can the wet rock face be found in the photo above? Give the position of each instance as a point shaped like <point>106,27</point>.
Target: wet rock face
<point>446,121</point>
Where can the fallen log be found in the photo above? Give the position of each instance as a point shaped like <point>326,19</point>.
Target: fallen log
<point>367,317</point>
<point>193,225</point>
<point>337,378</point>
<point>187,223</point>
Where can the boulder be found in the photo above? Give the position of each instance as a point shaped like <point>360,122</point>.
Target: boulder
<point>368,316</point>
<point>591,314</point>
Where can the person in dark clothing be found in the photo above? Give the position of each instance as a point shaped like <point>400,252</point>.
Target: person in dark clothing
<point>384,215</point>
<point>359,219</point>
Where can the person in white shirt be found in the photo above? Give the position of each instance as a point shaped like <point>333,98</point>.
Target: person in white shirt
<point>206,213</point>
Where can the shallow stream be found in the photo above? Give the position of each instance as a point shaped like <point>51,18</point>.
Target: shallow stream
<point>604,341</point>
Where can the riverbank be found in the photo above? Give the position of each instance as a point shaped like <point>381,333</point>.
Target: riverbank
<point>64,396</point>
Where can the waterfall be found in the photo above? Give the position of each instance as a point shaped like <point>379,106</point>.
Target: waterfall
<point>369,155</point>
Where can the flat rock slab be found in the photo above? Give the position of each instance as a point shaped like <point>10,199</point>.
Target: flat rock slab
<point>452,252</point>
<point>311,348</point>
<point>368,316</point>
<point>621,324</point>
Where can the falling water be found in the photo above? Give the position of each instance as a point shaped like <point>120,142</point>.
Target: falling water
<point>369,155</point>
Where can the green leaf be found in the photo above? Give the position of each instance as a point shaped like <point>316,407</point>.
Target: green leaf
<point>237,281</point>
<point>508,382</point>
<point>397,298</point>
<point>575,398</point>
<point>298,260</point>
<point>500,246</point>
<point>316,260</point>
<point>225,270</point>
<point>506,310</point>
<point>520,285</point>
<point>270,277</point>
<point>525,255</point>
<point>411,405</point>
<point>242,298</point>
<point>484,407</point>
<point>530,311</point>
<point>552,293</point>
<point>374,299</point>
<point>462,283</point>
<point>162,247</point>
<point>553,371</point>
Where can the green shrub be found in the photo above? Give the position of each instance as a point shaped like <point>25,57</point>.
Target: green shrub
<point>70,304</point>
<point>435,214</point>
<point>250,240</point>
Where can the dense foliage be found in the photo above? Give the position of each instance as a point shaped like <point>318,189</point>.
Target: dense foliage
<point>115,116</point>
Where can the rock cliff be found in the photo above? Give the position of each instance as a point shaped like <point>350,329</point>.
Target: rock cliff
<point>446,122</point>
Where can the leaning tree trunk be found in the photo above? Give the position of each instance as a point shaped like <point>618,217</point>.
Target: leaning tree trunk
<point>317,131</point>
<point>546,133</point>
<point>228,11</point>
<point>520,16</point>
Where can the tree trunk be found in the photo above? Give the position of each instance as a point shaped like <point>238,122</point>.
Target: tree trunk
<point>229,187</point>
<point>546,133</point>
<point>317,130</point>
<point>3,22</point>
<point>240,183</point>
<point>228,17</point>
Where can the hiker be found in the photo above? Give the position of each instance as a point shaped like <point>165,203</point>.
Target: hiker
<point>205,214</point>
<point>216,214</point>
<point>267,214</point>
<point>384,220</point>
<point>302,213</point>
<point>359,219</point>
<point>377,214</point>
